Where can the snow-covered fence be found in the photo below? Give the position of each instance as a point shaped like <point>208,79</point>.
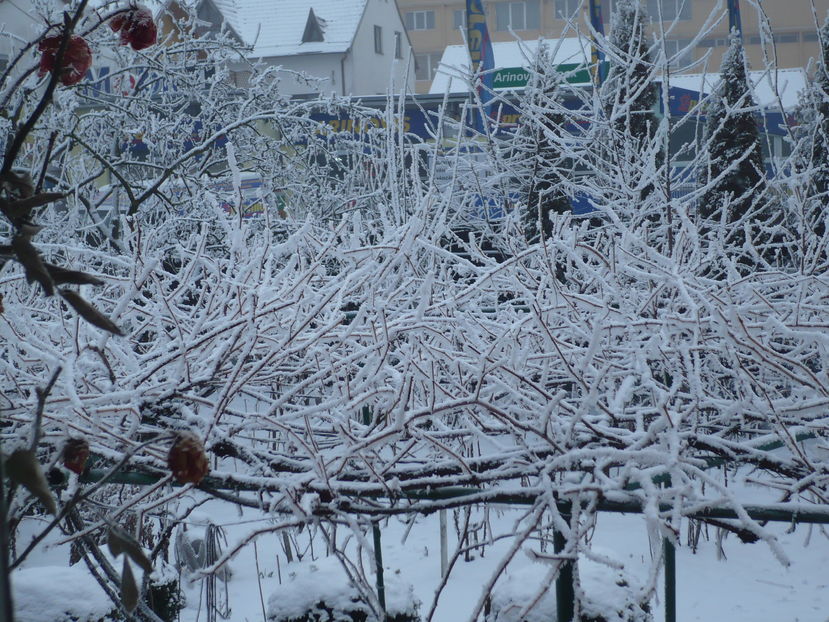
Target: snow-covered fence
<point>605,365</point>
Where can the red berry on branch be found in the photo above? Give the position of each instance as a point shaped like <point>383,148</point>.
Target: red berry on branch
<point>187,459</point>
<point>75,453</point>
<point>77,58</point>
<point>117,22</point>
<point>136,26</point>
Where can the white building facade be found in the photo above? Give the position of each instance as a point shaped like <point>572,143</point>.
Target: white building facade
<point>348,47</point>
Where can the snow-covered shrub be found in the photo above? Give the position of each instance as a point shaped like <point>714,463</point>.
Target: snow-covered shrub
<point>164,594</point>
<point>60,594</point>
<point>604,595</point>
<point>347,363</point>
<point>320,591</point>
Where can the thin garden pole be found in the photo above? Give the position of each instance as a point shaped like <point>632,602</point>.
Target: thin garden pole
<point>6,608</point>
<point>378,561</point>
<point>565,597</point>
<point>375,530</point>
<point>444,544</point>
<point>670,580</point>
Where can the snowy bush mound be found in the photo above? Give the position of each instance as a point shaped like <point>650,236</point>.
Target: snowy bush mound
<point>526,594</point>
<point>322,591</point>
<point>59,594</point>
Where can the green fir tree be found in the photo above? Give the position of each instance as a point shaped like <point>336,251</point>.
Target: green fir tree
<point>629,98</point>
<point>629,93</point>
<point>734,201</point>
<point>537,162</point>
<point>817,124</point>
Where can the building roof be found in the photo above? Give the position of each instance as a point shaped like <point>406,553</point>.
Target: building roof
<point>788,83</point>
<point>453,71</point>
<point>276,27</point>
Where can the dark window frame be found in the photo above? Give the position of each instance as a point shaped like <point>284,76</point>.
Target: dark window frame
<point>378,39</point>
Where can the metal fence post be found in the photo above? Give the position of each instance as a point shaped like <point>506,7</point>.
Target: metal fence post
<point>378,561</point>
<point>6,608</point>
<point>375,530</point>
<point>565,596</point>
<point>670,580</point>
<point>444,544</point>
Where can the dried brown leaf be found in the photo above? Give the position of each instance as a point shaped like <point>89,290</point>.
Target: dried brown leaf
<point>23,468</point>
<point>89,313</point>
<point>18,182</point>
<point>64,276</point>
<point>115,540</point>
<point>119,541</point>
<point>29,257</point>
<point>23,207</point>
<point>129,589</point>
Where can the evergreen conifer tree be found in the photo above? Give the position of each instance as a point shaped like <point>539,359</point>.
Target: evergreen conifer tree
<point>629,93</point>
<point>817,122</point>
<point>735,176</point>
<point>629,97</point>
<point>810,160</point>
<point>536,156</point>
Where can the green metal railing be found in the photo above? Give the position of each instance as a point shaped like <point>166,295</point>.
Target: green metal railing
<point>565,597</point>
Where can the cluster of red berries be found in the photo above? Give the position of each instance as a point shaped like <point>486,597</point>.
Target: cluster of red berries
<point>186,459</point>
<point>136,27</point>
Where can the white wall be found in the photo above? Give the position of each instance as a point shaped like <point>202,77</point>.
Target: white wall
<point>324,66</point>
<point>13,20</point>
<point>369,73</point>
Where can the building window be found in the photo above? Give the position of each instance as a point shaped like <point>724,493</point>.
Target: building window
<point>426,65</point>
<point>459,19</point>
<point>712,43</point>
<point>810,37</point>
<point>679,52</point>
<point>517,15</point>
<point>671,9</point>
<point>378,39</point>
<point>420,20</point>
<point>787,37</point>
<point>398,44</point>
<point>565,9</point>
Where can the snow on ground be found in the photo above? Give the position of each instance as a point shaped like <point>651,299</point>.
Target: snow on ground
<point>57,593</point>
<point>747,584</point>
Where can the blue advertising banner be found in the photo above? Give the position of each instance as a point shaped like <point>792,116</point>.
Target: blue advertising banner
<point>481,55</point>
<point>734,20</point>
<point>597,55</point>
<point>414,121</point>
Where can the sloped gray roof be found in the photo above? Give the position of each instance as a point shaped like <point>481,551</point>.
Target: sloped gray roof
<point>275,27</point>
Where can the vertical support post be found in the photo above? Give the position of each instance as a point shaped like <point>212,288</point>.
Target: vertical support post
<point>444,544</point>
<point>375,531</point>
<point>735,22</point>
<point>378,562</point>
<point>670,580</point>
<point>565,597</point>
<point>6,609</point>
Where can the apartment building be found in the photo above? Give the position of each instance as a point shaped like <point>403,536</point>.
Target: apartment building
<point>697,26</point>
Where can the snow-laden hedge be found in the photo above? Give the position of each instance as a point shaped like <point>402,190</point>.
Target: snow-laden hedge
<point>322,591</point>
<point>60,594</point>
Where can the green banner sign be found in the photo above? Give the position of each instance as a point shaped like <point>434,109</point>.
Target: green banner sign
<point>518,77</point>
